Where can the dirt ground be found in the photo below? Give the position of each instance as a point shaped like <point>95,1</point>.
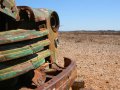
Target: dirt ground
<point>97,57</point>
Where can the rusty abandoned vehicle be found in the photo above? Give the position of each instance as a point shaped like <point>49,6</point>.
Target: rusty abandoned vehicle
<point>28,46</point>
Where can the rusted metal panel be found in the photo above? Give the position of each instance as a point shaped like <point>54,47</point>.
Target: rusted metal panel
<point>21,68</point>
<point>41,14</point>
<point>36,14</point>
<point>9,7</point>
<point>30,40</point>
<point>23,51</point>
<point>51,22</point>
<point>20,35</point>
<point>63,80</point>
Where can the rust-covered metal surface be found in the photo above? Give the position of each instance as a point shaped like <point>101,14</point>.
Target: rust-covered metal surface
<point>9,7</point>
<point>28,49</point>
<point>64,79</point>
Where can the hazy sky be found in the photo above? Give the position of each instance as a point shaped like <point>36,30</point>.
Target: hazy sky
<point>82,14</point>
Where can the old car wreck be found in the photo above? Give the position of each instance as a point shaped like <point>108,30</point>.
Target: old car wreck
<point>28,47</point>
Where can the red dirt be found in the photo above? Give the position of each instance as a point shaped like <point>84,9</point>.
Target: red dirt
<point>97,57</point>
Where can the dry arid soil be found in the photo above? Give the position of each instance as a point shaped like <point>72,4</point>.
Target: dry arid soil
<point>97,56</point>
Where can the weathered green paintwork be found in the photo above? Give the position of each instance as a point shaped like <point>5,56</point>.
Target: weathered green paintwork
<point>13,71</point>
<point>23,51</point>
<point>9,7</point>
<point>20,35</point>
<point>46,14</point>
<point>35,43</point>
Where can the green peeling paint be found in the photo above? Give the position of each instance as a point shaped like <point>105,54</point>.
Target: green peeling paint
<point>23,51</point>
<point>18,54</point>
<point>13,71</point>
<point>20,36</point>
<point>38,63</point>
<point>7,10</point>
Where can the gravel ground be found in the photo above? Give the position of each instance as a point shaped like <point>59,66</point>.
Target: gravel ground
<point>97,57</point>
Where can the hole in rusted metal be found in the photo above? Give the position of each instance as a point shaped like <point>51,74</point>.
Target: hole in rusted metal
<point>41,25</point>
<point>1,3</point>
<point>12,9</point>
<point>56,42</point>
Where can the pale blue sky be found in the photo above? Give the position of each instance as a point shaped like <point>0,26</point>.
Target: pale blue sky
<point>82,14</point>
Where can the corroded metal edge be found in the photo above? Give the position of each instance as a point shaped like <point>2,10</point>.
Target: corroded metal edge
<point>9,7</point>
<point>64,80</point>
